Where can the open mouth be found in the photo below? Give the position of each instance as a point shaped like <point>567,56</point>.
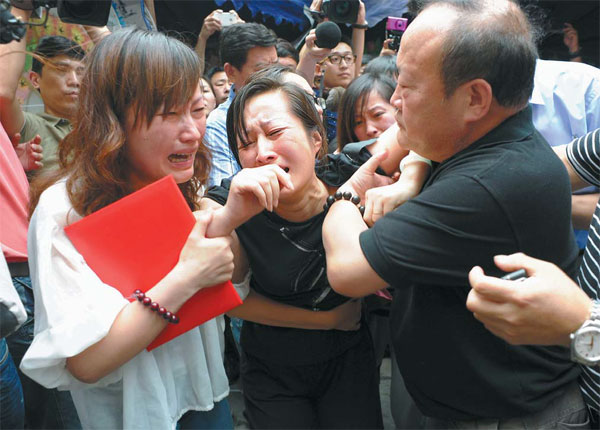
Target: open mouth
<point>180,158</point>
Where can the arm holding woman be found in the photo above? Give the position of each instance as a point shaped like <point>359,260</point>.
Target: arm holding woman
<point>252,191</point>
<point>366,113</point>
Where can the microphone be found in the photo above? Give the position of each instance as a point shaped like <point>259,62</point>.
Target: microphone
<point>328,35</point>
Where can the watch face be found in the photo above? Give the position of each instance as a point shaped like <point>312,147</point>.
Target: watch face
<point>587,344</point>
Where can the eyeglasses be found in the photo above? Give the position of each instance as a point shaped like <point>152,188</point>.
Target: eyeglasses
<point>337,59</point>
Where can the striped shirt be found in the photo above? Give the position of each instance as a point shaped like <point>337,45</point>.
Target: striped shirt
<point>584,156</point>
<point>223,162</point>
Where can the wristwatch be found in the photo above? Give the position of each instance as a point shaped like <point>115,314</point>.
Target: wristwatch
<point>585,342</point>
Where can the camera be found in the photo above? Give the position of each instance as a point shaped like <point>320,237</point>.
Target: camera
<point>84,12</point>
<point>341,11</point>
<point>226,18</point>
<point>394,29</point>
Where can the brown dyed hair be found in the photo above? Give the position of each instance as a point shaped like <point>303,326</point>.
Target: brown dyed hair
<point>129,69</point>
<point>302,106</point>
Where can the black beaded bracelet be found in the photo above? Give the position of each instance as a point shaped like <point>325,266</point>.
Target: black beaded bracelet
<point>155,307</point>
<point>347,195</point>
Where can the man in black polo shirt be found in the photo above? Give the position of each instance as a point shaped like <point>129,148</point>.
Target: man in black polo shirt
<point>466,74</point>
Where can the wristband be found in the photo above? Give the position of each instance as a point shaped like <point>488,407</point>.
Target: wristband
<point>361,26</point>
<point>413,157</point>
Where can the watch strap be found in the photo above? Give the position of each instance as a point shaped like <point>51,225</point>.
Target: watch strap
<point>593,321</point>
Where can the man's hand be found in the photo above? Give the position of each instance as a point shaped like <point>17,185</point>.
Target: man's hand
<point>361,17</point>
<point>541,310</point>
<point>29,153</point>
<point>311,49</point>
<point>365,177</point>
<point>211,25</point>
<point>386,50</point>
<point>570,38</point>
<point>346,317</point>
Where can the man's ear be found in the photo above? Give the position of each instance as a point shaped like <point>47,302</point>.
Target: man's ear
<point>478,99</point>
<point>318,69</point>
<point>34,78</point>
<point>230,71</point>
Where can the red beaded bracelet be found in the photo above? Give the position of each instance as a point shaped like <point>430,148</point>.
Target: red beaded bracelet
<point>147,301</point>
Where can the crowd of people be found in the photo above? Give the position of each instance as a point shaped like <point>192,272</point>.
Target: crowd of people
<point>355,207</point>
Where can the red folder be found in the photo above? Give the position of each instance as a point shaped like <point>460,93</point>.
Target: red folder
<point>134,242</point>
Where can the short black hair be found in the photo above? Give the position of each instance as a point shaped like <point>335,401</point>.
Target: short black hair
<point>237,39</point>
<point>213,70</point>
<point>286,50</point>
<point>274,71</point>
<point>383,65</point>
<point>54,46</point>
<point>493,43</point>
<point>348,41</point>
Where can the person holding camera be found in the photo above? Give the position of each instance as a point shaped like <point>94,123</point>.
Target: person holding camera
<point>56,71</point>
<point>341,61</point>
<point>213,23</point>
<point>244,48</point>
<point>344,61</point>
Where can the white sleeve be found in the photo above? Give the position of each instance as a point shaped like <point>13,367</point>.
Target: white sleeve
<point>243,288</point>
<point>74,309</point>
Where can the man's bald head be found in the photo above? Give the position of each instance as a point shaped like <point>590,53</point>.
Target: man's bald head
<point>487,39</point>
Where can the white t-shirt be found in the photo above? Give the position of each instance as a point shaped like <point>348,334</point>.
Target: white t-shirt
<point>74,309</point>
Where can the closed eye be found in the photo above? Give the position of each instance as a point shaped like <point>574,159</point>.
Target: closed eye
<point>245,145</point>
<point>275,132</point>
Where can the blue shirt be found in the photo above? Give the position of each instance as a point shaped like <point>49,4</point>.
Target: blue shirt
<point>565,100</point>
<point>223,162</point>
<point>566,105</point>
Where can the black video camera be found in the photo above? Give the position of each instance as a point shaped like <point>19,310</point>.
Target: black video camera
<point>84,12</point>
<point>341,11</point>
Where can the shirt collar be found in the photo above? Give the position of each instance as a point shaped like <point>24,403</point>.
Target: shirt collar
<point>513,129</point>
<point>536,95</point>
<point>54,120</point>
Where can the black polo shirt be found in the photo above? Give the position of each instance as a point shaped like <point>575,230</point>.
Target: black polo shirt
<point>506,192</point>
